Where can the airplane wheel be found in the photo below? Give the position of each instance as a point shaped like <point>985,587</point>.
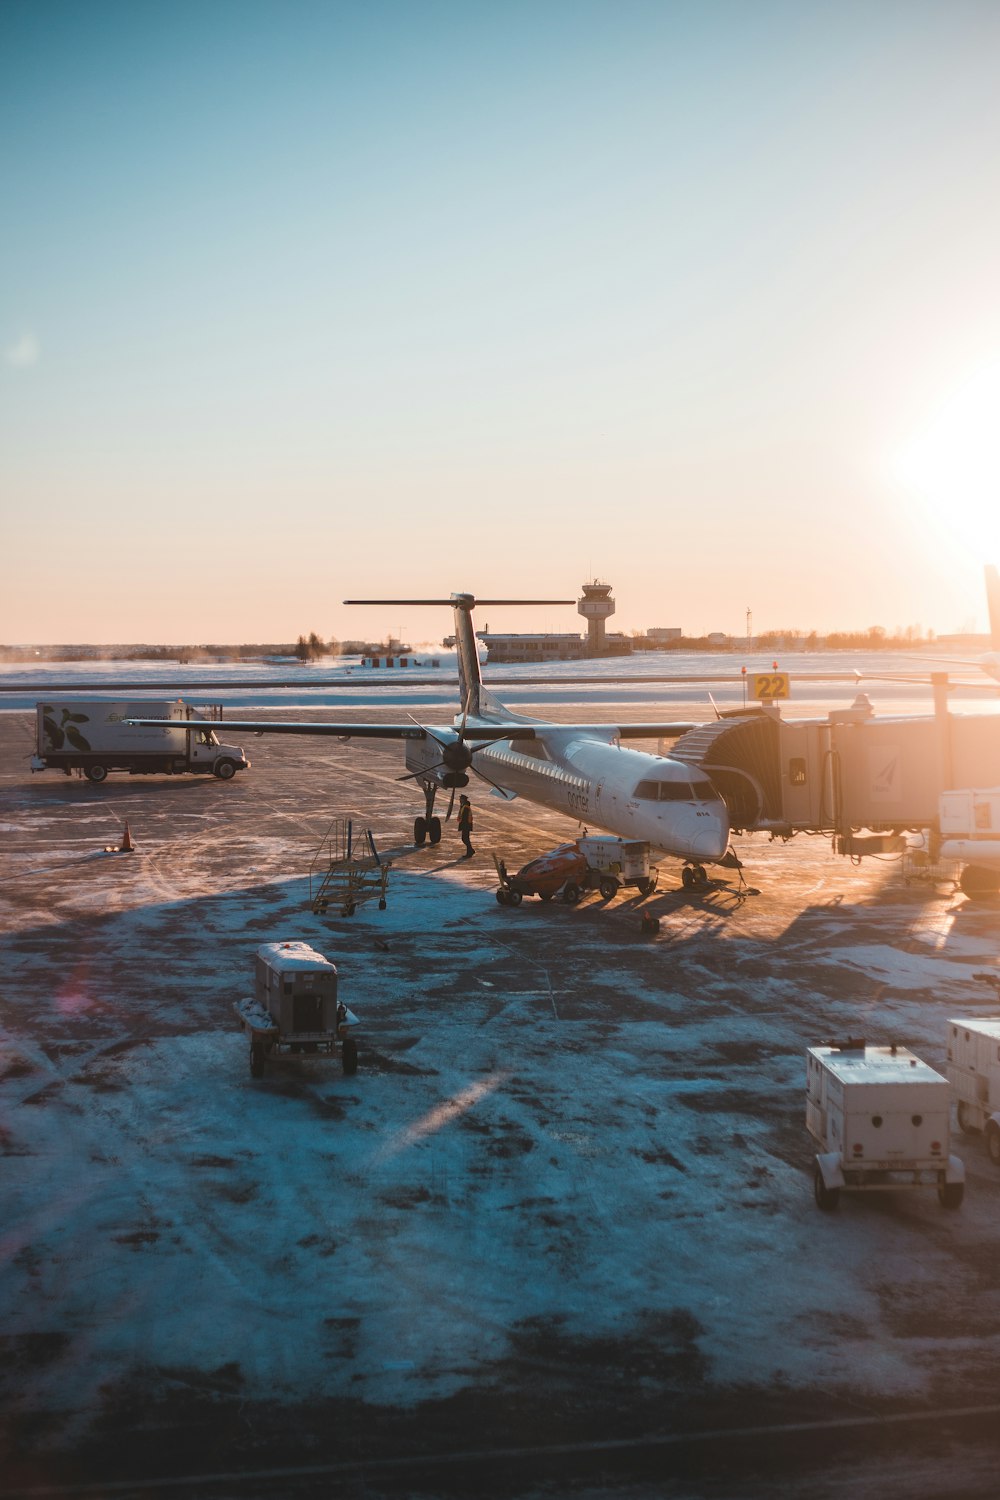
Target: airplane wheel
<point>349,1056</point>
<point>434,830</point>
<point>608,889</point>
<point>700,877</point>
<point>687,877</point>
<point>571,894</point>
<point>514,898</point>
<point>419,831</point>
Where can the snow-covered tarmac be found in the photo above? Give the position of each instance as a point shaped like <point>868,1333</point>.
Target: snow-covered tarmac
<point>562,1215</point>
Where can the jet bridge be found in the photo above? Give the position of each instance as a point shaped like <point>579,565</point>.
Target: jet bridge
<point>868,779</point>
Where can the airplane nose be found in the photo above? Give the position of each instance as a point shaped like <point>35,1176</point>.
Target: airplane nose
<point>711,843</point>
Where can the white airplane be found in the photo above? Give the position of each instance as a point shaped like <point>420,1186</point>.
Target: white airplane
<point>581,770</point>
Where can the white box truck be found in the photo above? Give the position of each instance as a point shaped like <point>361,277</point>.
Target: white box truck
<point>973,1069</point>
<point>295,1007</point>
<point>91,735</point>
<point>880,1117</point>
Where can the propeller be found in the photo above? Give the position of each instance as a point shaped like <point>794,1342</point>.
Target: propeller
<point>456,759</point>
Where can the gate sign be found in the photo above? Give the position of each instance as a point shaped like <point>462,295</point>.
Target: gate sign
<point>767,686</point>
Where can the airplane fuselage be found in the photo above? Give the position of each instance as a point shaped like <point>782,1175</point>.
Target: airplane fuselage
<point>666,803</point>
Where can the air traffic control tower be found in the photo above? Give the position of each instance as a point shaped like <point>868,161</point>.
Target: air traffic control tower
<point>595,606</point>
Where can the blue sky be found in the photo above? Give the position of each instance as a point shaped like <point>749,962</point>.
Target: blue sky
<point>300,301</point>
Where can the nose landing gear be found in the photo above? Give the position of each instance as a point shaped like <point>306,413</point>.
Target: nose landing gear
<point>694,878</point>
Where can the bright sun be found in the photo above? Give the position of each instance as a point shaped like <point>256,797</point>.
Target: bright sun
<point>953,466</point>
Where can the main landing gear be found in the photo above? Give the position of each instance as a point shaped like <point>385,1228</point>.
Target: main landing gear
<point>694,878</point>
<point>428,828</point>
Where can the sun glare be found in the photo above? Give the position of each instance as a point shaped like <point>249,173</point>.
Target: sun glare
<point>953,466</point>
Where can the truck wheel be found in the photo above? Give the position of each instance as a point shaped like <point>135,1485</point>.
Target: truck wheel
<point>826,1198</point>
<point>434,830</point>
<point>950,1194</point>
<point>608,889</point>
<point>544,895</point>
<point>96,773</point>
<point>225,770</point>
<point>349,1056</point>
<point>502,897</point>
<point>646,887</point>
<point>257,1056</point>
<point>993,1143</point>
<point>571,893</point>
<point>419,831</point>
<point>977,880</point>
<point>514,897</point>
<point>964,1116</point>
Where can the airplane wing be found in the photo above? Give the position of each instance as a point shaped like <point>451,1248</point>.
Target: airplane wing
<point>410,731</point>
<point>661,729</point>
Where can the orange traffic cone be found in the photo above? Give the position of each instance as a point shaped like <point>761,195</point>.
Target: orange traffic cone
<point>127,845</point>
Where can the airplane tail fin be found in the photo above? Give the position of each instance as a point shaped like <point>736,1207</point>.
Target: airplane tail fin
<point>993,604</point>
<point>476,700</point>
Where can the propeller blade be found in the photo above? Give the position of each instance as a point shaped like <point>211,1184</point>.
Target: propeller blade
<point>496,786</point>
<point>424,771</point>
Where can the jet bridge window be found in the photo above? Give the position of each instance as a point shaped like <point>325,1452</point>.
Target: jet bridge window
<point>797,771</point>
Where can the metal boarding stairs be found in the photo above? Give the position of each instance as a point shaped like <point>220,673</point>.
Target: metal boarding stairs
<point>347,870</point>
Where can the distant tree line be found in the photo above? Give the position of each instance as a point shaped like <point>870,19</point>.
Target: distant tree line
<point>875,638</point>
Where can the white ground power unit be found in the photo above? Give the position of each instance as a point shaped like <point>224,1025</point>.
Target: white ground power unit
<point>880,1117</point>
<point>973,1069</point>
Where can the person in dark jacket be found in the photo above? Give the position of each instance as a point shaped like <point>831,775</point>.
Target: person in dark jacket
<point>465,826</point>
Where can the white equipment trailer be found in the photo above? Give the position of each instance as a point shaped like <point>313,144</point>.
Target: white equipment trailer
<point>92,735</point>
<point>880,1117</point>
<point>614,862</point>
<point>295,1008</point>
<point>973,1069</point>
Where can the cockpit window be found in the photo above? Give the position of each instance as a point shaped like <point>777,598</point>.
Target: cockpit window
<point>698,789</point>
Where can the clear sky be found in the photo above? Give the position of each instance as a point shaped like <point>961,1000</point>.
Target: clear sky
<point>302,300</point>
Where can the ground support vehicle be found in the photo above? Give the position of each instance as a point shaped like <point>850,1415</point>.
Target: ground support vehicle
<point>562,871</point>
<point>295,1008</point>
<point>973,1069</point>
<point>93,736</point>
<point>347,870</point>
<point>615,862</point>
<point>880,1117</point>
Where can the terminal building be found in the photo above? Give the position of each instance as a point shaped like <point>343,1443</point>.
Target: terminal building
<point>596,605</point>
